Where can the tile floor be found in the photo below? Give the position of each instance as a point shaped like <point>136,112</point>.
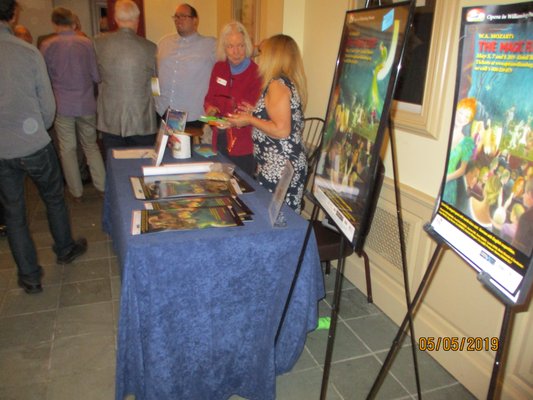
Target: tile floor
<point>60,344</point>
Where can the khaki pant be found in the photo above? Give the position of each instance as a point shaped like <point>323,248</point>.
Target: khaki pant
<point>66,130</point>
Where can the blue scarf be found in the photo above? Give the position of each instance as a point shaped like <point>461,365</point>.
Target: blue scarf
<point>237,69</point>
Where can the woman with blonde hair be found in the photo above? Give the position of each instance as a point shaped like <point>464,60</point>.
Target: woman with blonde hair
<point>278,118</point>
<point>234,80</point>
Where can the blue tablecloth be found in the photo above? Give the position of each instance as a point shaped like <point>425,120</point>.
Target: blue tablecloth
<point>199,309</point>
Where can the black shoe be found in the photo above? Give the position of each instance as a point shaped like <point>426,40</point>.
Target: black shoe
<point>3,230</point>
<point>80,247</point>
<point>30,288</point>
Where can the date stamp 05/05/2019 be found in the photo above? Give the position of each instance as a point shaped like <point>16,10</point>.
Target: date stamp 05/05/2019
<point>455,343</point>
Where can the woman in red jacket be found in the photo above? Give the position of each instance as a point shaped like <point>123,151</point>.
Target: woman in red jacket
<point>234,81</point>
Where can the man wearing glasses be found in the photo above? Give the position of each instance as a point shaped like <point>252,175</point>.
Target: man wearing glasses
<point>185,61</point>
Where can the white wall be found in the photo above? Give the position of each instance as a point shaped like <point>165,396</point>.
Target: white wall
<point>35,15</point>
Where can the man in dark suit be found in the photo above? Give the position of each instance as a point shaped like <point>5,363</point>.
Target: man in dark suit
<point>127,63</point>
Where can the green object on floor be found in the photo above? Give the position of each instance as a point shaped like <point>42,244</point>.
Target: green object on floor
<point>323,323</point>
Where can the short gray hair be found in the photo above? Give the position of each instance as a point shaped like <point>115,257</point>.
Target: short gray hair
<point>126,11</point>
<point>233,27</point>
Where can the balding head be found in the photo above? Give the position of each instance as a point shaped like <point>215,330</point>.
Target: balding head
<point>127,14</point>
<point>23,33</point>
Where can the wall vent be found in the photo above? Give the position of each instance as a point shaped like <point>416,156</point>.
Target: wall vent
<point>384,239</point>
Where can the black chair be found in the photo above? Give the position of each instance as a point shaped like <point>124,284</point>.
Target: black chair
<point>329,239</point>
<point>312,134</point>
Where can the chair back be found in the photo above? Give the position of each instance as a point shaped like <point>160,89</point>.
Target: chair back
<point>312,134</point>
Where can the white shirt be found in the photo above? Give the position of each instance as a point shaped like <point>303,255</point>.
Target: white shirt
<point>184,68</point>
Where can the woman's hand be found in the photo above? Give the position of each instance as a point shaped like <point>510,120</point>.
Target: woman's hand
<point>211,110</point>
<point>245,107</point>
<point>239,119</point>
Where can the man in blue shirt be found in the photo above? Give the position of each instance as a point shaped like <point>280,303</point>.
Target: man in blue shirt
<point>27,108</point>
<point>185,61</point>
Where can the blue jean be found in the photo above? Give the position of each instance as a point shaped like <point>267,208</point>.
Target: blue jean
<point>43,169</point>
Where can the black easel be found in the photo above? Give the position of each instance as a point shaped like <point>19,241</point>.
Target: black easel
<point>408,318</point>
<point>494,388</point>
<point>314,216</point>
<point>340,274</point>
<point>335,307</point>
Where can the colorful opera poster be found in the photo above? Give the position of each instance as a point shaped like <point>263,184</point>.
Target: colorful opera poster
<point>486,206</point>
<point>367,66</point>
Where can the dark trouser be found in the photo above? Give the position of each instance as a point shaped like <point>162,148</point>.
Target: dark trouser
<point>43,169</point>
<point>111,141</point>
<point>246,162</point>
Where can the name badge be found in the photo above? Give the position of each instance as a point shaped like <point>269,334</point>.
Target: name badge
<point>221,81</point>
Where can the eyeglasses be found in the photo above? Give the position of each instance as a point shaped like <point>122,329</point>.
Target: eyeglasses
<point>181,17</point>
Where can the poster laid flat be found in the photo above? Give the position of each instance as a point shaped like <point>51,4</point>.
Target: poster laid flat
<point>242,210</point>
<point>371,48</point>
<point>183,185</point>
<point>150,221</point>
<point>485,207</point>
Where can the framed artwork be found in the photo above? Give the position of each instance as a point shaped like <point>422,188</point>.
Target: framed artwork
<point>485,207</point>
<point>371,48</point>
<point>247,12</point>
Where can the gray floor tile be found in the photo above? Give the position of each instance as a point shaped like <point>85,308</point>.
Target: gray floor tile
<point>453,392</point>
<point>27,329</point>
<point>81,355</point>
<point>86,270</point>
<point>52,275</point>
<point>81,320</point>
<point>17,302</point>
<point>329,281</point>
<point>35,391</point>
<point>306,361</point>
<point>346,345</point>
<point>5,278</point>
<point>115,287</point>
<point>85,292</point>
<point>114,269</point>
<point>303,385</point>
<point>377,331</point>
<point>42,239</point>
<point>354,379</point>
<point>92,385</point>
<point>95,250</point>
<point>432,375</point>
<point>5,253</point>
<point>116,312</point>
<point>24,365</point>
<point>353,304</point>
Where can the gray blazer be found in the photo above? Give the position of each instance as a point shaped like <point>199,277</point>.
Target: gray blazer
<point>126,63</point>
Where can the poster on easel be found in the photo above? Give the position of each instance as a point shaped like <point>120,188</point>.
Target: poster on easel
<point>371,48</point>
<point>485,207</point>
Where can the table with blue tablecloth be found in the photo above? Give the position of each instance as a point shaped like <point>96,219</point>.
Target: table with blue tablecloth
<point>199,309</point>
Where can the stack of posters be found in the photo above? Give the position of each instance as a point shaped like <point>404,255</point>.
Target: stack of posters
<point>187,201</point>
